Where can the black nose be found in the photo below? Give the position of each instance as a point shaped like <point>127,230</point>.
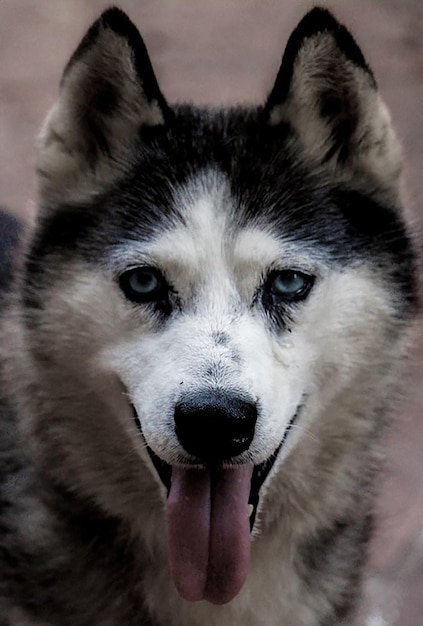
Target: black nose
<point>214,425</point>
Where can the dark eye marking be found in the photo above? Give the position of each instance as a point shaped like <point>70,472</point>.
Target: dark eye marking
<point>285,286</point>
<point>144,284</point>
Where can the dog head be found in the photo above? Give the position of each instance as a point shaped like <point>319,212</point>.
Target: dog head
<point>208,290</point>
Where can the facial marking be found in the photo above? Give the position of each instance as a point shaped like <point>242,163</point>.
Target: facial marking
<point>199,241</point>
<point>220,336</point>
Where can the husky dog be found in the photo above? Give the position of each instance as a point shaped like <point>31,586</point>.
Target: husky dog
<point>197,356</point>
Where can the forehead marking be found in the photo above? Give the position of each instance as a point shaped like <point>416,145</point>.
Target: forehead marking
<point>206,243</point>
<point>208,235</point>
<point>206,204</point>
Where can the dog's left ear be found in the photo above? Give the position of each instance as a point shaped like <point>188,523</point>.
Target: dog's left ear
<point>108,93</point>
<point>326,92</point>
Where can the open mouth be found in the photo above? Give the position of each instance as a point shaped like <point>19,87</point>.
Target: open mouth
<point>210,512</point>
<point>259,475</point>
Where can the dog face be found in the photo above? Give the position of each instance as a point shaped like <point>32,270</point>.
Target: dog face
<point>234,311</point>
<point>215,280</point>
<point>212,329</point>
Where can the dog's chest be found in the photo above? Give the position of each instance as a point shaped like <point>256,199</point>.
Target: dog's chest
<point>273,595</point>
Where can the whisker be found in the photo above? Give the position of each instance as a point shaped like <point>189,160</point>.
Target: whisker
<point>304,431</point>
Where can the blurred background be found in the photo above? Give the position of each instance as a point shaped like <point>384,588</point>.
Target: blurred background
<point>227,52</point>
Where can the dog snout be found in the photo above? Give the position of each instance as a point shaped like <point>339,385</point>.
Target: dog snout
<point>215,425</point>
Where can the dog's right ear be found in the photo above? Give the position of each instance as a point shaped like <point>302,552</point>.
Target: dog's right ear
<point>107,94</point>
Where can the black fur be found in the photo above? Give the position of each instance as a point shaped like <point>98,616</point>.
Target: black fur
<point>271,185</point>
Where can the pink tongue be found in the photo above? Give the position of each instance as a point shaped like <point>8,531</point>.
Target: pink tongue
<point>209,532</point>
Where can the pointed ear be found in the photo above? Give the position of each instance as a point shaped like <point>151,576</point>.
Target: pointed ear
<point>326,92</point>
<point>107,93</point>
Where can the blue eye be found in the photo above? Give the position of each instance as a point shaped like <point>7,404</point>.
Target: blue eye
<point>143,284</point>
<point>288,286</point>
